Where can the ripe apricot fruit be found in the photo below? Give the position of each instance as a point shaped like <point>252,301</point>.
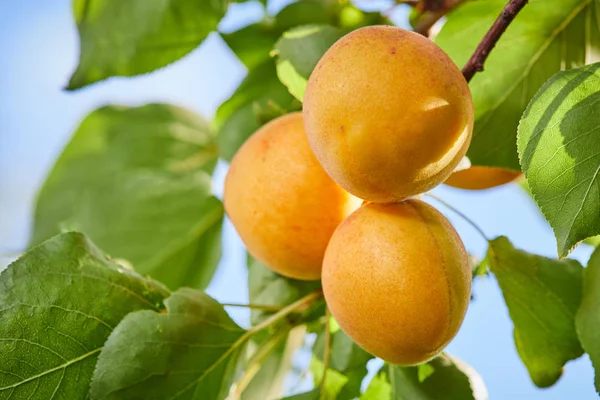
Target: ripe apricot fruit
<point>397,279</point>
<point>387,113</point>
<point>480,178</point>
<point>282,203</point>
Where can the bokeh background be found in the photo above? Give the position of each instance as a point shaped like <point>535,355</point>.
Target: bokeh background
<point>38,52</point>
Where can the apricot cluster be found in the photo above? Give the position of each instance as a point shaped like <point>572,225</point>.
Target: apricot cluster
<point>387,115</point>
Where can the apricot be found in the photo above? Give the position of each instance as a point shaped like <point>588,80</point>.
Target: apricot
<point>387,113</point>
<point>397,279</point>
<point>280,200</point>
<point>480,178</point>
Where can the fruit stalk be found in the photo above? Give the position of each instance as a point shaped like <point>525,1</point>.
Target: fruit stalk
<point>475,63</point>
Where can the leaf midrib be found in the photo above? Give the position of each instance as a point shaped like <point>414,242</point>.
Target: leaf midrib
<point>51,370</point>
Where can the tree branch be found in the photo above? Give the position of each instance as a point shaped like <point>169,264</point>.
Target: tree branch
<point>475,63</point>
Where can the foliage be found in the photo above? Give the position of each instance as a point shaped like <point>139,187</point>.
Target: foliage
<point>78,322</point>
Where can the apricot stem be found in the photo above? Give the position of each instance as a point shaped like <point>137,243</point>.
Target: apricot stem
<point>254,306</point>
<point>460,214</point>
<point>326,352</point>
<point>255,363</point>
<point>475,63</point>
<point>284,312</point>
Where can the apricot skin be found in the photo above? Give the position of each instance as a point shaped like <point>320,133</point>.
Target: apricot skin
<point>481,178</point>
<point>398,280</point>
<point>280,200</point>
<point>387,113</point>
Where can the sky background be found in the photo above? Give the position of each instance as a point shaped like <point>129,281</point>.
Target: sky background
<point>38,52</point>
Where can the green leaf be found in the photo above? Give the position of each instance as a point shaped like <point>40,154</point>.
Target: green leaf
<point>253,43</point>
<point>136,180</point>
<point>593,241</point>
<point>346,358</point>
<point>125,38</point>
<point>542,295</point>
<point>268,288</point>
<point>259,99</point>
<point>334,383</point>
<point>58,304</point>
<point>449,379</point>
<point>587,320</point>
<point>312,395</point>
<point>379,388</point>
<point>424,371</point>
<point>269,380</point>
<point>546,37</point>
<point>559,146</point>
<point>189,351</point>
<point>298,52</point>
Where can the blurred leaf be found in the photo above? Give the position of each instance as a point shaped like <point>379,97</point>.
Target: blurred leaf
<point>268,288</point>
<point>259,99</point>
<point>592,241</point>
<point>346,358</point>
<point>559,145</point>
<point>307,12</point>
<point>136,180</point>
<point>334,383</point>
<point>449,379</point>
<point>588,315</point>
<point>379,388</point>
<point>312,395</point>
<point>269,380</point>
<point>253,43</point>
<point>298,52</point>
<point>424,371</point>
<point>542,296</point>
<point>58,304</point>
<point>188,351</point>
<point>125,38</point>
<point>547,36</point>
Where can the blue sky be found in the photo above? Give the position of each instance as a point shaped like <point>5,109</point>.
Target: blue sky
<point>39,49</point>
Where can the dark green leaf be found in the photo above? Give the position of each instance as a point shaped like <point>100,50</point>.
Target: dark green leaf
<point>136,180</point>
<point>448,379</point>
<point>559,146</point>
<point>189,351</point>
<point>268,288</point>
<point>253,43</point>
<point>346,358</point>
<point>546,36</point>
<point>58,304</point>
<point>542,295</point>
<point>259,99</point>
<point>125,38</point>
<point>269,380</point>
<point>298,52</point>
<point>588,315</point>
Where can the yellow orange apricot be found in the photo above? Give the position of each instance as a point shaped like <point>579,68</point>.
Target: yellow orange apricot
<point>280,200</point>
<point>397,279</point>
<point>480,178</point>
<point>387,113</point>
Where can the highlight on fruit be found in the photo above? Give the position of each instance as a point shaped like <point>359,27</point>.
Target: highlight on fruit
<point>387,113</point>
